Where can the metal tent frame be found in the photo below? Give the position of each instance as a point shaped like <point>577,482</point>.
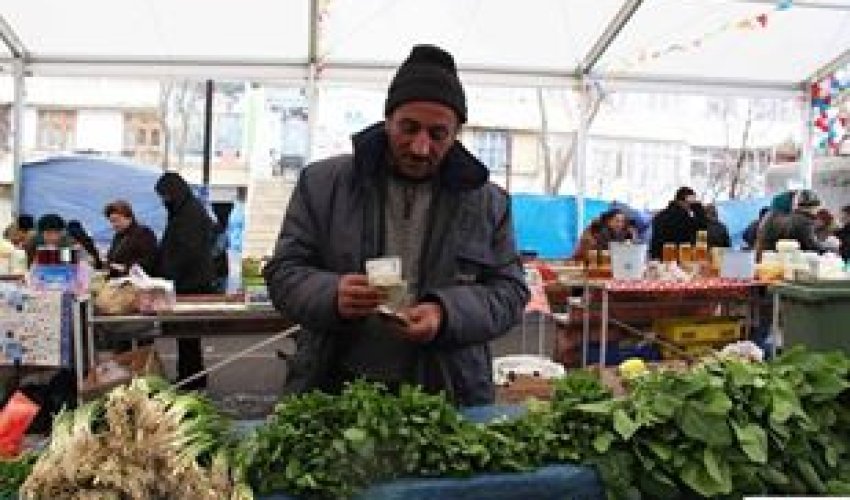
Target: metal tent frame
<point>22,62</point>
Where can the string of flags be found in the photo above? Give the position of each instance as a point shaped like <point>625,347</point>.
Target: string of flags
<point>750,23</point>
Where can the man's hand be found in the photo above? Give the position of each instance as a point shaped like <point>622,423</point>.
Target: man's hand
<point>355,298</point>
<point>424,321</point>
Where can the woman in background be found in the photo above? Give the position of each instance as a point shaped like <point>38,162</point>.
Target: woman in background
<point>132,244</point>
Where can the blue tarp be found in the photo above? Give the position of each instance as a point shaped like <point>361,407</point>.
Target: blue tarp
<point>547,224</point>
<point>78,187</point>
<point>738,214</point>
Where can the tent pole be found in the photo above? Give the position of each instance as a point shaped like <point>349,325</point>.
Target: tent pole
<point>208,119</point>
<point>581,155</point>
<point>807,151</point>
<point>18,135</point>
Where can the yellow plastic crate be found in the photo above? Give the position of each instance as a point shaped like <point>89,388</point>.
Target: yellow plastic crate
<point>694,350</point>
<point>687,331</point>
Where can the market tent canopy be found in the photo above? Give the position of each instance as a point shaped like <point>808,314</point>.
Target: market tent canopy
<point>735,43</point>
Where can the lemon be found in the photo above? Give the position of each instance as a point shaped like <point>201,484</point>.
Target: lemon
<point>631,368</point>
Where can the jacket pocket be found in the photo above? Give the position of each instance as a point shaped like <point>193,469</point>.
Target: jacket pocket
<point>474,263</point>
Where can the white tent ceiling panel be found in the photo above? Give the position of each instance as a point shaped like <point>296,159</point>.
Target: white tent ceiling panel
<point>532,34</point>
<point>792,45</point>
<point>251,29</point>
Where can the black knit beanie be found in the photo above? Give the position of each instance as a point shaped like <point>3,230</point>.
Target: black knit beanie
<point>428,74</point>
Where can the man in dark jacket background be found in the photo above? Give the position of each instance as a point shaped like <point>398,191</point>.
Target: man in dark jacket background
<point>843,233</point>
<point>185,257</point>
<point>409,190</point>
<point>718,233</point>
<point>678,223</point>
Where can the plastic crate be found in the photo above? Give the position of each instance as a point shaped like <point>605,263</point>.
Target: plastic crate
<point>694,350</point>
<point>686,331</point>
<point>617,352</point>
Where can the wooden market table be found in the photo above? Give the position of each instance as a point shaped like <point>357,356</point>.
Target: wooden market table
<point>202,316</point>
<point>600,295</point>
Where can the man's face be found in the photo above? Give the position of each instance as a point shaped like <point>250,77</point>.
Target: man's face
<point>691,199</point>
<point>420,135</point>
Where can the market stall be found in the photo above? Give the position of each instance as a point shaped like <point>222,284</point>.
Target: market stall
<point>728,426</point>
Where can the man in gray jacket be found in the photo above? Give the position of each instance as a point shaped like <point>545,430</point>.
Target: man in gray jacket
<point>409,190</point>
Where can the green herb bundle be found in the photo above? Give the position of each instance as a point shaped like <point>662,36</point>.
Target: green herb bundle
<point>730,428</point>
<point>13,473</point>
<point>725,429</point>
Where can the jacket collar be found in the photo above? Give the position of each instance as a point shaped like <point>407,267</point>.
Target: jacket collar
<point>460,171</point>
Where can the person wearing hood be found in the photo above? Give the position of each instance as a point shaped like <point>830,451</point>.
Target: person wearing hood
<point>185,257</point>
<point>678,223</point>
<point>775,225</point>
<point>792,217</point>
<point>410,190</point>
<point>83,242</point>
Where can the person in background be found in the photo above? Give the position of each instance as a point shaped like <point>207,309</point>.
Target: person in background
<point>718,234</point>
<point>752,231</point>
<point>20,232</point>
<point>588,240</point>
<point>132,244</point>
<point>185,257</point>
<point>678,223</point>
<point>412,190</point>
<point>83,242</point>
<point>824,222</point>
<point>51,232</point>
<point>220,245</point>
<point>613,229</point>
<point>776,224</point>
<point>843,233</point>
<point>798,223</point>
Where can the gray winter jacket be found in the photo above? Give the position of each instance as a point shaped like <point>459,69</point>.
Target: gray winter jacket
<point>469,265</point>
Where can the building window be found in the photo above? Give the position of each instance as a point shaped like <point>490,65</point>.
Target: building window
<point>56,129</point>
<point>142,134</point>
<point>492,147</point>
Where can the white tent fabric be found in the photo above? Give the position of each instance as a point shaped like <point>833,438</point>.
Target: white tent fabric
<point>531,37</point>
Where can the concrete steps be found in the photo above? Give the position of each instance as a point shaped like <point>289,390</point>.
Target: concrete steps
<point>267,202</point>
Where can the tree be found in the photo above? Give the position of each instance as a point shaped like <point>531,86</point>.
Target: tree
<point>558,162</point>
<point>177,103</point>
<point>734,176</point>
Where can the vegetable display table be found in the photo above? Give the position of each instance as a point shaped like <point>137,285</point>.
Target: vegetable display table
<point>623,302</point>
<point>195,316</point>
<point>553,482</point>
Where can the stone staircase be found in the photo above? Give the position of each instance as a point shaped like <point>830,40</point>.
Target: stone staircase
<point>267,202</point>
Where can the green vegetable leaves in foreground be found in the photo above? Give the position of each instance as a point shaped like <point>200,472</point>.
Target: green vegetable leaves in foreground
<point>724,429</point>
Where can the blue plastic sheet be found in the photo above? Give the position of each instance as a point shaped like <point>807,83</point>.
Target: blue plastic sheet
<point>553,482</point>
<point>738,214</point>
<point>78,187</point>
<point>547,224</point>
